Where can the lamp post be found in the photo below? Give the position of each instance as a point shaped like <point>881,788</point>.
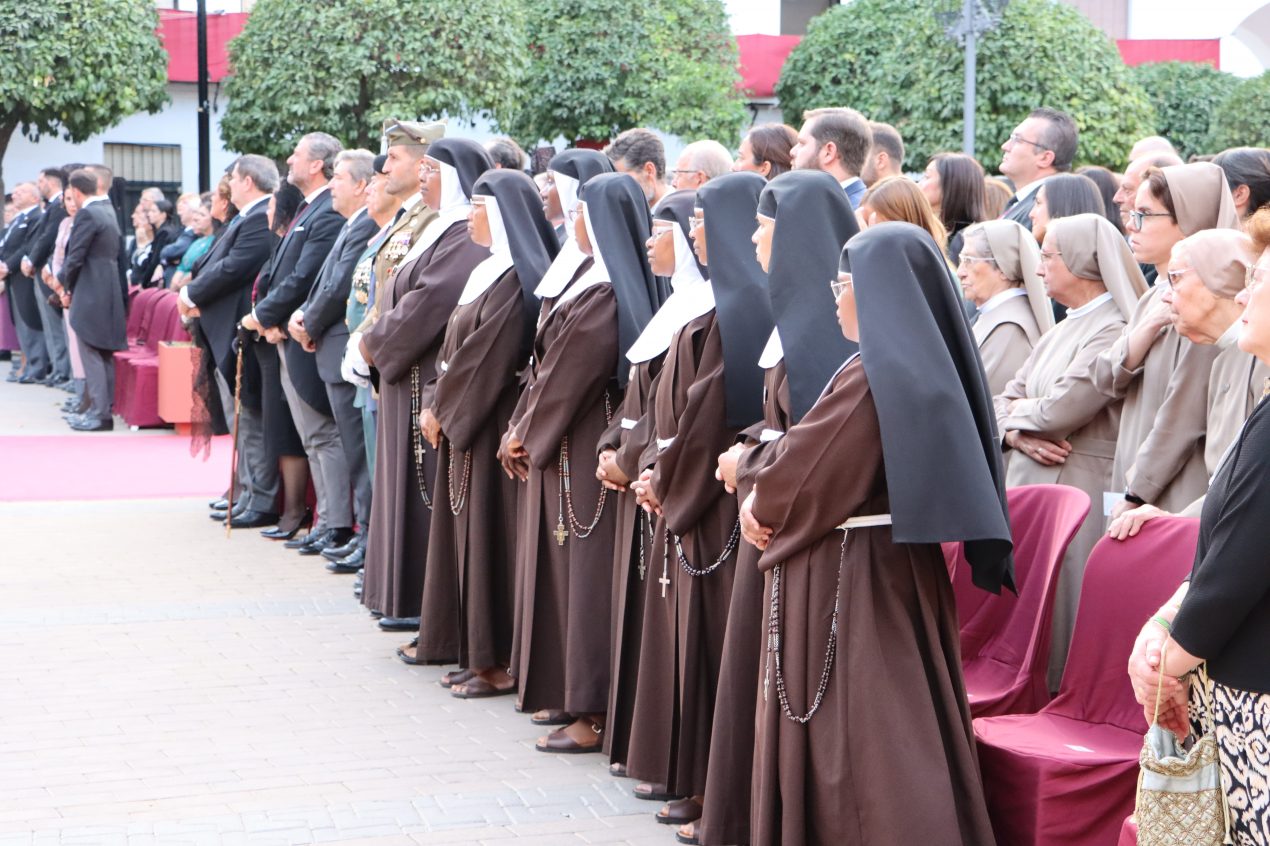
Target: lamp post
<point>975,18</point>
<point>204,106</point>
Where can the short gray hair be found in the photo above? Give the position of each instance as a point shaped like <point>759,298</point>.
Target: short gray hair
<point>709,157</point>
<point>324,147</point>
<point>361,164</point>
<point>261,170</point>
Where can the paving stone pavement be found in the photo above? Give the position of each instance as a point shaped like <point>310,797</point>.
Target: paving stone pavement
<point>162,685</point>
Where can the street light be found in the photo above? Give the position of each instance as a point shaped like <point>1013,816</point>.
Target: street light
<point>975,18</point>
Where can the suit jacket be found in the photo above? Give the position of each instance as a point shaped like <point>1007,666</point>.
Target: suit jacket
<point>327,303</point>
<point>221,287</point>
<point>1020,212</point>
<point>40,245</point>
<point>17,238</point>
<point>90,273</point>
<point>285,283</point>
<point>855,192</point>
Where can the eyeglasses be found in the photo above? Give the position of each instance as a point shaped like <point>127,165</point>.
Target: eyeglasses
<point>661,228</point>
<point>428,170</point>
<point>966,259</point>
<point>842,283</point>
<point>677,172</point>
<point>574,213</point>
<point>1174,275</point>
<point>1255,275</point>
<point>1136,217</point>
<point>1047,256</point>
<point>1016,138</point>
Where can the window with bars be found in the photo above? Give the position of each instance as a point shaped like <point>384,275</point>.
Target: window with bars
<point>145,166</point>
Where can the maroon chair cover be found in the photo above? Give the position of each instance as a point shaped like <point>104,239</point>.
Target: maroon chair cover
<point>137,371</point>
<point>1128,832</point>
<point>139,313</point>
<point>1005,639</point>
<point>1066,775</point>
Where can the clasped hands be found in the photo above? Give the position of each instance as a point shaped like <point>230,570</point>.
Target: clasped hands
<point>430,428</point>
<point>296,329</point>
<point>272,334</point>
<point>1040,450</point>
<point>514,457</point>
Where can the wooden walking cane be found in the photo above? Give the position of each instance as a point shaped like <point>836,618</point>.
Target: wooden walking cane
<point>233,451</point>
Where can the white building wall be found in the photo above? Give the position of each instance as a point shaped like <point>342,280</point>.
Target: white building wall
<point>1243,26</point>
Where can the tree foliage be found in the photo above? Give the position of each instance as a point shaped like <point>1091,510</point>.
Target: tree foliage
<point>75,68</point>
<point>602,66</point>
<point>1240,120</point>
<point>344,66</point>
<point>892,60</point>
<point>1185,96</point>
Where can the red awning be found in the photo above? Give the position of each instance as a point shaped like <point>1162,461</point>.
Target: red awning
<point>1140,51</point>
<point>762,57</point>
<point>179,33</point>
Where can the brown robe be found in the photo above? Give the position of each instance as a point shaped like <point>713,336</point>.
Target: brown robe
<point>889,757</point>
<point>1057,400</point>
<point>1160,447</point>
<point>628,435</point>
<point>414,310</point>
<point>561,653</point>
<point>467,599</point>
<point>725,819</point>
<point>682,639</point>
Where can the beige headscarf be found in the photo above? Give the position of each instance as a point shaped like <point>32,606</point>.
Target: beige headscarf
<point>1016,254</point>
<point>1093,249</point>
<point>1221,257</point>
<point>1201,197</point>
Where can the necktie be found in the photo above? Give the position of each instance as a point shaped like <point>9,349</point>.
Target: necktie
<point>299,211</point>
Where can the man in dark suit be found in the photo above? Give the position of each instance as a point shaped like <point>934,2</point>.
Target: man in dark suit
<point>22,291</point>
<point>1041,146</point>
<point>39,250</point>
<point>218,294</point>
<point>318,325</point>
<point>88,276</point>
<point>836,141</point>
<point>282,288</point>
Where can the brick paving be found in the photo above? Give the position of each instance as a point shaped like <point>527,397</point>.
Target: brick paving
<point>160,684</point>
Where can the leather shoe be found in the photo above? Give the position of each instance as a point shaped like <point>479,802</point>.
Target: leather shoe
<point>350,564</point>
<point>306,538</point>
<point>89,425</point>
<point>219,516</point>
<point>399,624</point>
<point>560,742</point>
<point>221,504</point>
<point>334,537</point>
<point>335,553</point>
<point>30,380</point>
<point>253,520</point>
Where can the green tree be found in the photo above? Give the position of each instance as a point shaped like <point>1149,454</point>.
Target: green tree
<point>343,66</point>
<point>892,60</point>
<point>602,66</point>
<point>1240,119</point>
<point>1185,96</point>
<point>73,68</point>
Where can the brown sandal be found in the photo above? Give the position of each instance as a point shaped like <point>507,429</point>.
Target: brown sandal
<point>550,717</point>
<point>559,741</point>
<point>478,688</point>
<point>454,677</point>
<point>680,811</point>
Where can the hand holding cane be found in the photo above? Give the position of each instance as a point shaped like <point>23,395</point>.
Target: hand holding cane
<point>240,340</point>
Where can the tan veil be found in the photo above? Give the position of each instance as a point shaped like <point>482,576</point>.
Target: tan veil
<point>1016,254</point>
<point>1093,249</point>
<point>1201,197</point>
<point>1221,257</point>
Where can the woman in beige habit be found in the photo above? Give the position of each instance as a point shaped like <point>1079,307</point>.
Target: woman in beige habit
<point>1060,427</point>
<point>1162,377</point>
<point>997,269</point>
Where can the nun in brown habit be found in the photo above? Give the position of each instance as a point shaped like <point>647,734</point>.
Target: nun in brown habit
<point>998,274</point>
<point>485,349</point>
<point>864,732</point>
<point>415,305</point>
<point>1058,427</point>
<point>565,554</point>
<point>1163,377</point>
<point>566,174</point>
<point>730,205</point>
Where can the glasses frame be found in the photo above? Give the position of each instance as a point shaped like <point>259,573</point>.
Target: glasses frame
<point>1256,274</point>
<point>1016,138</point>
<point>964,259</point>
<point>837,286</point>
<point>1171,276</point>
<point>1137,218</point>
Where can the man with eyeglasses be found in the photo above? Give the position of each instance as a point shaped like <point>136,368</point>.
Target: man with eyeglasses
<point>1043,145</point>
<point>700,162</point>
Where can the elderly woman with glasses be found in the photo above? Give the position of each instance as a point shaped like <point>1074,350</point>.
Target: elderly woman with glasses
<point>998,273</point>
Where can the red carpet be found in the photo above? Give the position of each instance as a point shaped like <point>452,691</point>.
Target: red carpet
<point>65,467</point>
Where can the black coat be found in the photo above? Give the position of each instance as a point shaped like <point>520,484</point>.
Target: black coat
<point>221,287</point>
<point>40,246</point>
<point>22,289</point>
<point>327,304</point>
<point>285,284</point>
<point>89,273</point>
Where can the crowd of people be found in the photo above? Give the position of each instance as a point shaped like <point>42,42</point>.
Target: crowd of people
<point>670,459</point>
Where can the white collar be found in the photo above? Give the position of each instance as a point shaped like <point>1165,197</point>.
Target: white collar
<point>434,230</point>
<point>1073,313</point>
<point>413,200</point>
<point>692,297</point>
<point>96,198</point>
<point>54,198</point>
<point>1230,337</point>
<point>263,198</point>
<point>1029,189</point>
<point>850,179</point>
<point>773,352</point>
<point>997,299</point>
<point>309,198</point>
<point>597,274</point>
<point>356,214</point>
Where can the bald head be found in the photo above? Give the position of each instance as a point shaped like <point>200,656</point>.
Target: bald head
<point>700,162</point>
<point>1156,144</point>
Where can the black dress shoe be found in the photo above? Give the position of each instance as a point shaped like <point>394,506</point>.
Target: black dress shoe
<point>399,624</point>
<point>253,520</point>
<point>30,380</point>
<point>335,537</point>
<point>221,504</point>
<point>350,564</point>
<point>305,539</point>
<point>219,516</point>
<point>279,533</point>
<point>335,553</point>
<point>90,425</point>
